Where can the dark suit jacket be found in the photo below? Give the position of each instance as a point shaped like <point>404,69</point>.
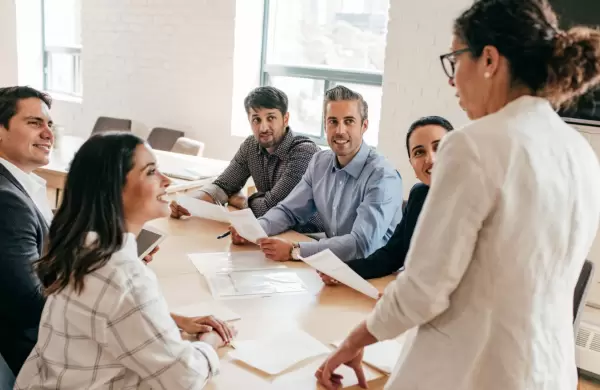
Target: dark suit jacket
<point>22,233</point>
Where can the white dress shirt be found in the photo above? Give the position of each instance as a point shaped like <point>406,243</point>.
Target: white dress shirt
<point>116,334</point>
<point>35,187</point>
<point>510,217</point>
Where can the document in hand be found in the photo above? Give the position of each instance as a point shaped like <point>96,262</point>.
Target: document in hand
<point>329,264</point>
<point>202,209</point>
<point>382,355</point>
<point>279,352</point>
<point>246,225</point>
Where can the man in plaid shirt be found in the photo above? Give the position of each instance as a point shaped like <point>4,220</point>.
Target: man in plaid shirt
<point>273,156</point>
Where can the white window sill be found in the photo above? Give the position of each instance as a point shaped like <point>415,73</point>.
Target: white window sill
<point>65,97</point>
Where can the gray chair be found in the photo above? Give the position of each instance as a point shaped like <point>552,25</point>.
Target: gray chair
<point>188,146</point>
<point>164,139</point>
<point>586,277</point>
<point>105,123</point>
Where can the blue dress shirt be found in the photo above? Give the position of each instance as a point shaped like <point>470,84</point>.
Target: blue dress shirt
<point>360,204</point>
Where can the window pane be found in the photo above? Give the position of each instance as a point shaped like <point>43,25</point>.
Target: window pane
<point>346,34</point>
<point>61,68</point>
<point>305,98</point>
<point>62,22</point>
<point>372,95</point>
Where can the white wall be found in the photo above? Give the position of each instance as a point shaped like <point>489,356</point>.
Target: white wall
<point>8,43</point>
<point>414,83</point>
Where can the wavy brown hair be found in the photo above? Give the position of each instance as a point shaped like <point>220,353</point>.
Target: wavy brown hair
<point>92,202</point>
<point>558,65</point>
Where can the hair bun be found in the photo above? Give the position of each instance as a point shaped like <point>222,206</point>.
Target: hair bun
<point>574,67</point>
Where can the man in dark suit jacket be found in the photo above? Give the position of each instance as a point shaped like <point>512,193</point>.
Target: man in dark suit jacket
<point>25,141</point>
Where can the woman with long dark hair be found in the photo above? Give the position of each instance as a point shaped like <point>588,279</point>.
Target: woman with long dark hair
<point>105,323</point>
<point>510,217</point>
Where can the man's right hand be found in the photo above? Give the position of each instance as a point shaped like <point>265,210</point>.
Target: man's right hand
<point>328,280</point>
<point>236,239</point>
<point>178,211</point>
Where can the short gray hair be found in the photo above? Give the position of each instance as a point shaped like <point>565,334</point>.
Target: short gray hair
<point>340,93</point>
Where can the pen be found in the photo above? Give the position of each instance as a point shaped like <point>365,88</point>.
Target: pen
<point>223,235</point>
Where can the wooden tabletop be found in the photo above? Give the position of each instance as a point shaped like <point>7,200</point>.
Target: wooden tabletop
<point>326,313</point>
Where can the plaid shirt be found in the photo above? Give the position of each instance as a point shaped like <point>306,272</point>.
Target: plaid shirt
<point>116,334</point>
<point>275,175</point>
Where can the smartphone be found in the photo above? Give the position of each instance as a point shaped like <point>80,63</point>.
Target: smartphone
<point>148,239</point>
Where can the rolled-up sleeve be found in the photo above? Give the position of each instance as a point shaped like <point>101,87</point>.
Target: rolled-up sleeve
<point>374,216</point>
<point>461,196</point>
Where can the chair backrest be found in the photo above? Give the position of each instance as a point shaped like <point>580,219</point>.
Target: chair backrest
<point>188,146</point>
<point>164,139</point>
<point>584,282</point>
<point>104,123</point>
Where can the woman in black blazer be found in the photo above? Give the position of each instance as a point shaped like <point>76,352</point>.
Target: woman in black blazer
<point>422,140</point>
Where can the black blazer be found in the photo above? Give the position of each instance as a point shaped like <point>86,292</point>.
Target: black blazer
<point>22,232</point>
<point>390,258</point>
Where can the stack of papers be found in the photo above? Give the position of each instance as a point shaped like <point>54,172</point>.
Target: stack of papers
<point>279,352</point>
<point>245,274</point>
<point>244,221</point>
<point>329,264</point>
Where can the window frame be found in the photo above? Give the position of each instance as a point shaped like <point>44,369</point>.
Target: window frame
<point>329,75</point>
<point>47,51</point>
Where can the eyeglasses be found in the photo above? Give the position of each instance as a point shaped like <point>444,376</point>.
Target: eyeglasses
<point>449,61</point>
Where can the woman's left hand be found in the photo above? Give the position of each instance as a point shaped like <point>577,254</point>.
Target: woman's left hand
<point>150,256</point>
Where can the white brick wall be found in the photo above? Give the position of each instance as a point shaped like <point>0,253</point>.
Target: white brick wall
<point>161,63</point>
<point>414,83</point>
<point>8,43</point>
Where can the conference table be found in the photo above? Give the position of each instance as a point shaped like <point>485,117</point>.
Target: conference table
<point>175,165</point>
<point>326,313</point>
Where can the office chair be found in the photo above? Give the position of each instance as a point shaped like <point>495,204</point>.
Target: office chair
<point>164,139</point>
<point>586,277</point>
<point>104,123</point>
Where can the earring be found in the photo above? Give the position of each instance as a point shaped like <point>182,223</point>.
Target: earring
<point>486,75</point>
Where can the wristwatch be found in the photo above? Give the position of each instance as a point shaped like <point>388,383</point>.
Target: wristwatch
<point>295,252</point>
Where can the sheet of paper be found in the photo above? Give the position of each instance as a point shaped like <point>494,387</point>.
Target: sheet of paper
<point>202,209</point>
<point>278,352</point>
<point>382,355</point>
<point>254,283</point>
<point>246,224</point>
<point>304,378</point>
<point>202,309</point>
<point>329,264</point>
<point>223,262</point>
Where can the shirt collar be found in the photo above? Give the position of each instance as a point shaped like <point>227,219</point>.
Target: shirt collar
<point>129,243</point>
<point>284,146</point>
<point>31,182</point>
<point>356,165</point>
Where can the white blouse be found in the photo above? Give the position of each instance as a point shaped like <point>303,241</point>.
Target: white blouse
<point>117,334</point>
<point>510,217</point>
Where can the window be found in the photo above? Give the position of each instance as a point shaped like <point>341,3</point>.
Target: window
<point>310,46</point>
<point>61,45</point>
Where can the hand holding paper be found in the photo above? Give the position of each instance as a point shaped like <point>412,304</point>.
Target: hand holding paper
<point>331,265</point>
<point>246,225</point>
<point>202,209</point>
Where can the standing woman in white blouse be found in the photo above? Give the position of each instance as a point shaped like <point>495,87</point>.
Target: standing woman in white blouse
<point>492,296</point>
<point>105,324</point>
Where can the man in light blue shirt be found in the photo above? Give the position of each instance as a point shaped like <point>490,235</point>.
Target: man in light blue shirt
<point>355,190</point>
